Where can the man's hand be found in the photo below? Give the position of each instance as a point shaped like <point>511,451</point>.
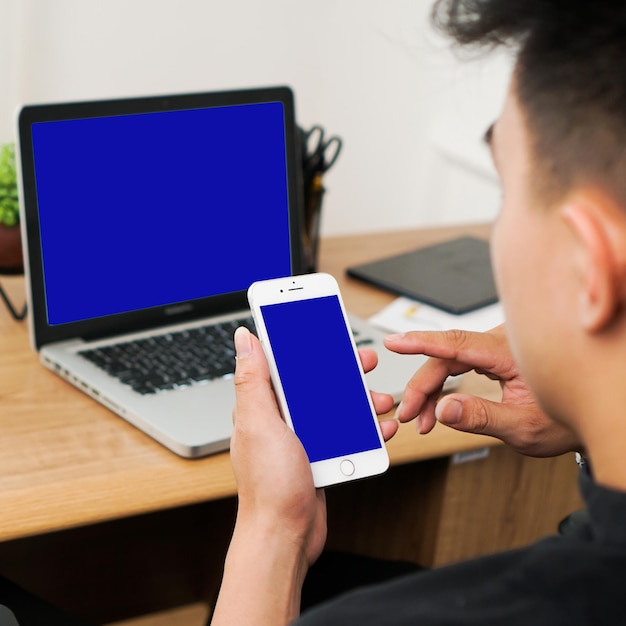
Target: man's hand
<point>271,467</point>
<point>517,419</point>
<point>274,479</point>
<point>281,519</point>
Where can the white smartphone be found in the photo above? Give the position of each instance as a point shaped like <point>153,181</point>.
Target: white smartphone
<point>317,376</point>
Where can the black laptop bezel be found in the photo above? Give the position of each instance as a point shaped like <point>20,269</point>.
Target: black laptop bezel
<point>43,333</point>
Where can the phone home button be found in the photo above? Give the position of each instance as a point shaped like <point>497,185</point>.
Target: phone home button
<point>346,467</point>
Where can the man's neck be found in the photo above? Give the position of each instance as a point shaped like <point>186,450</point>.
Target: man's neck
<point>603,433</point>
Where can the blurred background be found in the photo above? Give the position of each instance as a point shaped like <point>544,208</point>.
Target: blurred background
<point>411,113</point>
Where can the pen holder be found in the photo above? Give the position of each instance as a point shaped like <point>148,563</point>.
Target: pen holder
<point>313,195</point>
<point>317,156</point>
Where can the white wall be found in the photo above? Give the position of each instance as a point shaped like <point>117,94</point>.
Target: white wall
<point>372,71</point>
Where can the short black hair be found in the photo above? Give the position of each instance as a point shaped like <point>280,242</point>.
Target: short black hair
<point>570,80</point>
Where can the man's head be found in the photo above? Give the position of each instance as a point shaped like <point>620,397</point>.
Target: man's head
<point>559,244</point>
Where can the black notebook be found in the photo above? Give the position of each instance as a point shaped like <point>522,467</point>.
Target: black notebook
<point>454,276</point>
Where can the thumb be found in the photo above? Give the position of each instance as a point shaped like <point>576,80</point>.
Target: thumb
<point>476,415</point>
<point>253,389</point>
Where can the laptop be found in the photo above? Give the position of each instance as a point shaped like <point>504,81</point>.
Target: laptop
<point>144,222</point>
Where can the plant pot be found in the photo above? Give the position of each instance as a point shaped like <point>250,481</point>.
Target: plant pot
<point>11,260</point>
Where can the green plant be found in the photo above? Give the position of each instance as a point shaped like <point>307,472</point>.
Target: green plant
<point>9,207</point>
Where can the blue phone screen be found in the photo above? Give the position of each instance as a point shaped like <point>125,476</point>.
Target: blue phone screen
<point>320,377</point>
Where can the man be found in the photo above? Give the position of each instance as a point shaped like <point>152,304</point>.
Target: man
<point>559,256</point>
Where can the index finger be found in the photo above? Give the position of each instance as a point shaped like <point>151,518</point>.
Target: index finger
<point>369,359</point>
<point>486,351</point>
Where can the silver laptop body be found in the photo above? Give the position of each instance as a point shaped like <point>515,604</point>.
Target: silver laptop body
<point>152,215</point>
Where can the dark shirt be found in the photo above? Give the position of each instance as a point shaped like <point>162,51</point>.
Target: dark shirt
<point>568,580</point>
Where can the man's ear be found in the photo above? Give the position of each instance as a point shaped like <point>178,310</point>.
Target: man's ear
<point>599,229</point>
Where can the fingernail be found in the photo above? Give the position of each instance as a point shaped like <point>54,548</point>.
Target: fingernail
<point>394,337</point>
<point>418,424</point>
<point>391,419</point>
<point>398,413</point>
<point>449,411</point>
<point>243,345</point>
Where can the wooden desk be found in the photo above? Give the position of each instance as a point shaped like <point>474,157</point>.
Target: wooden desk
<point>68,463</point>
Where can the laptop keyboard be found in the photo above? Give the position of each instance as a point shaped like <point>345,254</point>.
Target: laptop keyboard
<point>176,359</point>
<point>172,360</point>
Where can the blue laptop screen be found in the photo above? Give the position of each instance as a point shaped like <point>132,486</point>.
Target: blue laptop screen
<point>152,209</point>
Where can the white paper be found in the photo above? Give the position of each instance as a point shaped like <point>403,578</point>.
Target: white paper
<point>404,315</point>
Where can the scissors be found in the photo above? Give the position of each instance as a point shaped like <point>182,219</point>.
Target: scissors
<point>320,154</point>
